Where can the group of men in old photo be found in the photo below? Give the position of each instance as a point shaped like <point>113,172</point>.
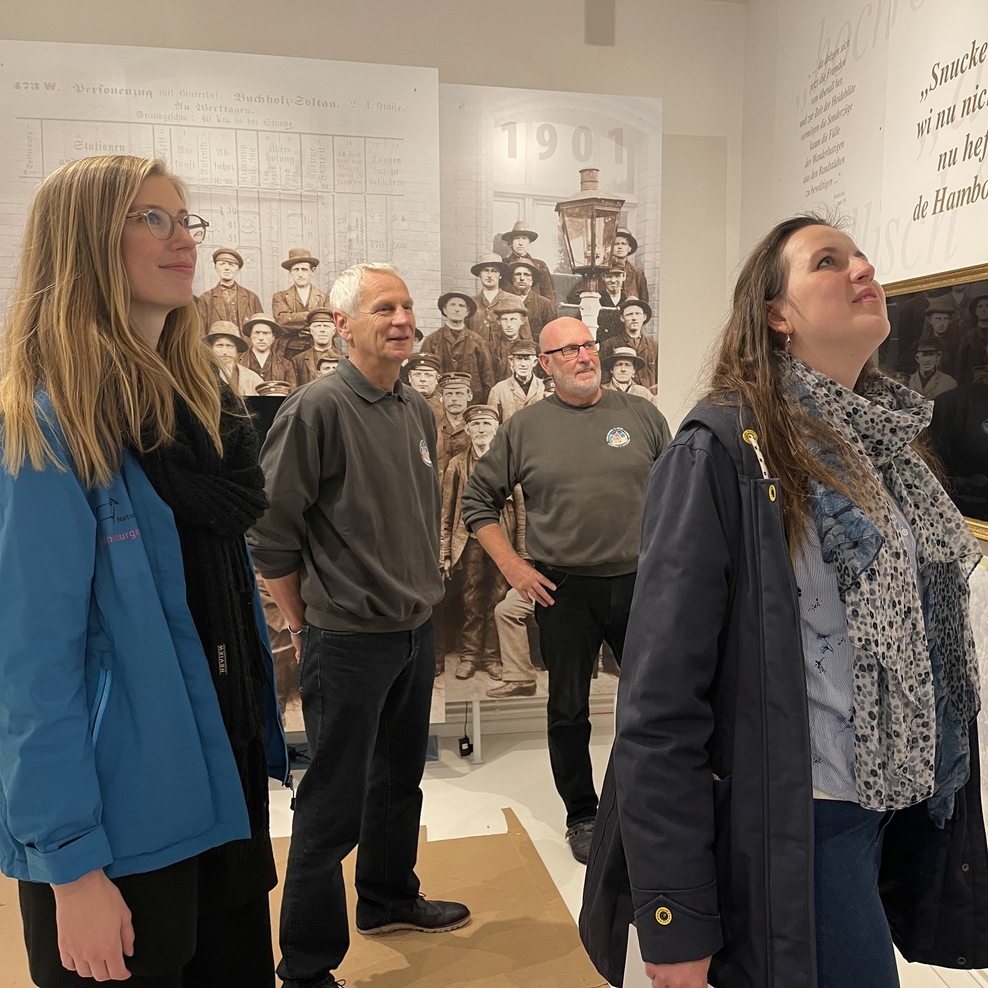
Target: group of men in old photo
<point>941,351</point>
<point>509,472</point>
<point>270,353</point>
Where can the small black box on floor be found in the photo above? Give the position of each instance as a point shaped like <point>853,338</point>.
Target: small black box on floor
<point>466,747</point>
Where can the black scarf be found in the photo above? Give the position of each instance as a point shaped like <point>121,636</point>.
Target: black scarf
<point>215,500</point>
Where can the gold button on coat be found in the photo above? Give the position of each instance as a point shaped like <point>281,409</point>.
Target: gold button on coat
<point>663,916</point>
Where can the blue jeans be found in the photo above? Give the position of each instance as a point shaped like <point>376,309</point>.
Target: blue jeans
<point>365,701</point>
<point>853,942</point>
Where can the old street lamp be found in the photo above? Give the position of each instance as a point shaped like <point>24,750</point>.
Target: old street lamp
<point>590,222</point>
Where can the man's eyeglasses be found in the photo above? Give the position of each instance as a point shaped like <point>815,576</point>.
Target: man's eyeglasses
<point>162,224</point>
<point>572,350</point>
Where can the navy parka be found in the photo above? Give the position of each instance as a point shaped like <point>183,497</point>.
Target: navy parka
<point>704,834</point>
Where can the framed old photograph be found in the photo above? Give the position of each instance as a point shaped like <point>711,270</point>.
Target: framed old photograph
<point>938,346</point>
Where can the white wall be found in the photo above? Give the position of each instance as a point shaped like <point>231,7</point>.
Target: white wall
<point>688,52</point>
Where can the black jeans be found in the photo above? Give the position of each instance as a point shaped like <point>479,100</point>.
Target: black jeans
<point>365,701</point>
<point>176,945</point>
<point>588,610</point>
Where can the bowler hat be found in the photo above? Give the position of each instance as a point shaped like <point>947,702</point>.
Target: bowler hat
<point>227,330</point>
<point>629,236</point>
<point>299,255</point>
<point>622,353</point>
<point>262,319</point>
<point>974,303</point>
<point>220,251</point>
<point>644,306</point>
<point>490,261</point>
<point>481,411</point>
<point>506,305</point>
<point>523,348</point>
<point>518,230</point>
<point>471,305</point>
<point>319,315</point>
<point>455,379</point>
<point>536,277</point>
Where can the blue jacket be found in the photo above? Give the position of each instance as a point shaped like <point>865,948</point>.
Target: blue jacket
<point>113,753</point>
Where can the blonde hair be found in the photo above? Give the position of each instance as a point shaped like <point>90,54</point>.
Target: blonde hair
<point>68,331</point>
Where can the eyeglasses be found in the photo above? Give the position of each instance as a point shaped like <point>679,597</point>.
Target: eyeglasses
<point>162,224</point>
<point>573,349</point>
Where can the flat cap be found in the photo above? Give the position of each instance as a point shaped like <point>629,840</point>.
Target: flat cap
<point>481,411</point>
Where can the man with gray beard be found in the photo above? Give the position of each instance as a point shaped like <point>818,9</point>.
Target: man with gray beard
<point>582,457</point>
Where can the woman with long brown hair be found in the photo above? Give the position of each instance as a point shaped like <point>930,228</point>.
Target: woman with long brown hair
<point>137,715</point>
<point>793,785</point>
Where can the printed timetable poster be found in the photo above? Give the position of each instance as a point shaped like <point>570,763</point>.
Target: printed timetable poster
<point>336,158</point>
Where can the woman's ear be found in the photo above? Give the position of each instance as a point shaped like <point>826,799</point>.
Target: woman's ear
<point>777,320</point>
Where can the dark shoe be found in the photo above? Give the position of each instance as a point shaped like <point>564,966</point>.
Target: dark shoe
<point>494,670</point>
<point>327,981</point>
<point>578,837</point>
<point>424,916</point>
<point>512,689</point>
<point>464,669</point>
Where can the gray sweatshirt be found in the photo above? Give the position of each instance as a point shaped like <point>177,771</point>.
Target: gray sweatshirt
<point>583,473</point>
<point>355,503</point>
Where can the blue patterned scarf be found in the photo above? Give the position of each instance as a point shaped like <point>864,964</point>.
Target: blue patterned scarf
<point>916,685</point>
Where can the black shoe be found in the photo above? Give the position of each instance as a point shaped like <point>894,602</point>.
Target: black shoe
<point>512,689</point>
<point>578,837</point>
<point>327,981</point>
<point>425,916</point>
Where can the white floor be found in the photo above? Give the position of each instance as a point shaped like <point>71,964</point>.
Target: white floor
<point>465,800</point>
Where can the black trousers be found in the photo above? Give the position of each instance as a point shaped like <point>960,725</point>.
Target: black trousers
<point>365,701</point>
<point>588,611</point>
<point>175,944</point>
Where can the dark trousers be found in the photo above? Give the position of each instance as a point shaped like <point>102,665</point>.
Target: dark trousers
<point>482,586</point>
<point>175,945</point>
<point>365,701</point>
<point>853,942</point>
<point>588,611</point>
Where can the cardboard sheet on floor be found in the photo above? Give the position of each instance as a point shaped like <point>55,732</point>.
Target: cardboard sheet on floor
<point>521,934</point>
<point>13,960</point>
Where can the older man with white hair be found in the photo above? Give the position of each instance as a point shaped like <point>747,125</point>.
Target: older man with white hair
<point>350,553</point>
<point>572,452</point>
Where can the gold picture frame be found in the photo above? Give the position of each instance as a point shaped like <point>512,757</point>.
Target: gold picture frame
<point>945,279</point>
<point>980,529</point>
<point>932,282</point>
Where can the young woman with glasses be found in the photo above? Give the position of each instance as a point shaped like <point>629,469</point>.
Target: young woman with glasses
<point>794,782</point>
<point>137,713</point>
